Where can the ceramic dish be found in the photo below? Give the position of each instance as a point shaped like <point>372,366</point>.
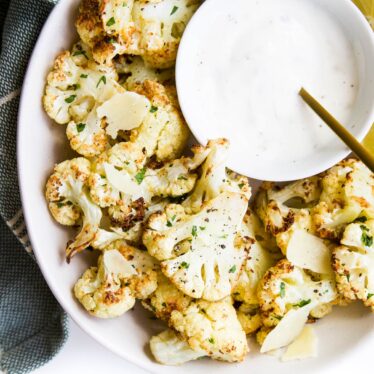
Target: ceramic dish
<point>342,335</point>
<point>199,115</point>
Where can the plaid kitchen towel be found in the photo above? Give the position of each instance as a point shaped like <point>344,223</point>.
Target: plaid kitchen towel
<point>33,327</point>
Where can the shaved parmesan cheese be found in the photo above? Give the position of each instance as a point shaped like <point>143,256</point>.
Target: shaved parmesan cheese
<point>124,111</point>
<point>305,346</point>
<point>115,264</point>
<point>287,329</point>
<point>309,252</point>
<point>122,181</point>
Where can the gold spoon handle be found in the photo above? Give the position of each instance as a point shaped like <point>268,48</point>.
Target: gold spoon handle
<point>362,153</point>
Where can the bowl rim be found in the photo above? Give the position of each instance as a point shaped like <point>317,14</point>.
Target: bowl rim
<point>365,32</point>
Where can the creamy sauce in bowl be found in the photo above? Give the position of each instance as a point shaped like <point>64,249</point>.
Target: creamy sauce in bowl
<point>246,68</point>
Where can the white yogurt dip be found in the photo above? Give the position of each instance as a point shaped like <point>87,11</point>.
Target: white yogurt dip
<point>246,79</point>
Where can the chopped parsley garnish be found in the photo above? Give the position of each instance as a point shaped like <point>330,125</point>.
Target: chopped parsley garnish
<point>202,228</point>
<point>361,219</point>
<point>366,239</point>
<point>185,265</point>
<point>348,276</point>
<point>232,269</point>
<point>79,53</point>
<point>140,176</point>
<point>102,79</point>
<point>111,22</point>
<point>112,40</point>
<point>175,8</point>
<point>84,76</point>
<point>224,236</point>
<point>282,290</point>
<point>241,185</point>
<point>370,295</point>
<point>211,340</point>
<point>303,303</point>
<point>194,231</point>
<point>70,99</point>
<point>80,127</point>
<point>153,109</point>
<point>169,223</point>
<point>182,177</point>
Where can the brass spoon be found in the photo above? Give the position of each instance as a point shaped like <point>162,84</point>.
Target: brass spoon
<point>362,153</point>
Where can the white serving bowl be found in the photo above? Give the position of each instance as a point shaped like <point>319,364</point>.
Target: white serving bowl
<point>343,335</point>
<point>200,117</point>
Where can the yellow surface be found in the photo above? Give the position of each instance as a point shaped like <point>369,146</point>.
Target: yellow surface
<point>369,140</point>
<point>367,7</point>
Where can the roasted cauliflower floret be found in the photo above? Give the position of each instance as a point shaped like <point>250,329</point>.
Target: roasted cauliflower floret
<point>69,201</point>
<point>72,96</point>
<point>123,275</point>
<point>353,263</point>
<point>258,262</point>
<point>121,181</point>
<point>347,193</point>
<point>167,138</point>
<point>285,210</point>
<point>213,328</point>
<point>285,287</point>
<point>151,29</point>
<point>133,72</point>
<point>168,349</point>
<point>202,254</point>
<point>249,317</point>
<point>216,178</point>
<point>166,299</point>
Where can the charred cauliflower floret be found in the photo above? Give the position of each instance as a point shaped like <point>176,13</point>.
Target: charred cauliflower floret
<point>122,182</point>
<point>133,71</point>
<point>72,96</point>
<point>216,178</point>
<point>202,254</point>
<point>123,275</point>
<point>165,299</point>
<point>258,262</point>
<point>151,29</point>
<point>285,287</point>
<point>212,327</point>
<point>285,210</point>
<point>353,263</point>
<point>347,193</point>
<point>69,202</point>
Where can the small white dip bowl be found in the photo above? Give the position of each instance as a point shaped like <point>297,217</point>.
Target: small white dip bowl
<point>206,23</point>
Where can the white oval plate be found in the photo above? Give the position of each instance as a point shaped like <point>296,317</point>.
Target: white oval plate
<point>42,143</point>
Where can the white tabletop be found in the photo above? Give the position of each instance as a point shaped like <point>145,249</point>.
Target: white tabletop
<point>82,354</point>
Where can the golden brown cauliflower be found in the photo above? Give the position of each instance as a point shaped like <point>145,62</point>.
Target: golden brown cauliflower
<point>213,328</point>
<point>74,91</point>
<point>347,193</point>
<point>286,210</point>
<point>123,275</point>
<point>151,29</point>
<point>69,202</point>
<point>353,263</point>
<point>285,287</point>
